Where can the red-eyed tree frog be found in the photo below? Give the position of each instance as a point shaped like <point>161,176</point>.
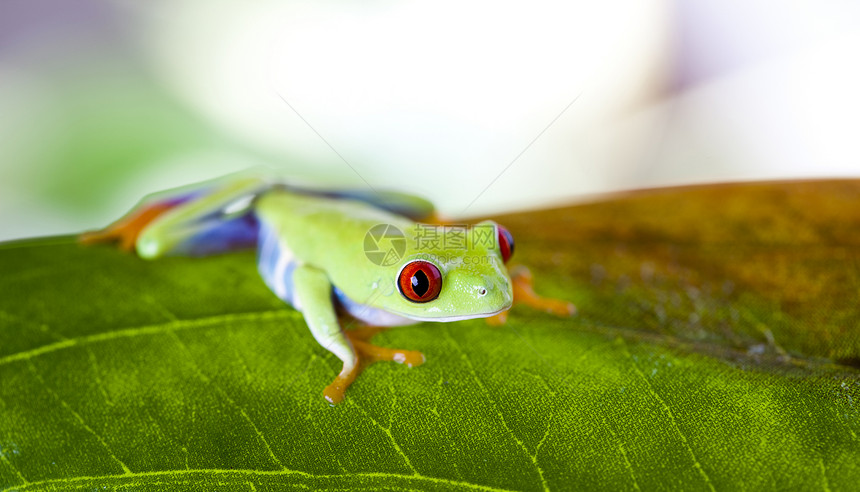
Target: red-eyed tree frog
<point>379,257</point>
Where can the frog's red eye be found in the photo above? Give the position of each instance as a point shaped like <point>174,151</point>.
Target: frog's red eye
<point>420,281</point>
<point>506,244</point>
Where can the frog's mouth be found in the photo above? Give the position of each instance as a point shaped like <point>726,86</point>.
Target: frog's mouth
<point>393,317</point>
<point>460,317</point>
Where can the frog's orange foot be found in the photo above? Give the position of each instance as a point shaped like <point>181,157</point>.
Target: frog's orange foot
<point>125,231</point>
<point>557,307</point>
<point>367,354</point>
<point>524,293</point>
<point>498,319</point>
<point>523,285</point>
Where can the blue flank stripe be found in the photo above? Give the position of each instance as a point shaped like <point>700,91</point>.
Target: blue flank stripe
<point>230,235</point>
<point>268,254</point>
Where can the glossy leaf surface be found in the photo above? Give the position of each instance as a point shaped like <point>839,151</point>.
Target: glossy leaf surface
<point>716,347</point>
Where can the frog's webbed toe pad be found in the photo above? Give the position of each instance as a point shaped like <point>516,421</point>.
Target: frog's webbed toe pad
<point>367,354</point>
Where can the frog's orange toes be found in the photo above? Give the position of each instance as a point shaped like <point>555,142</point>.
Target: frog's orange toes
<point>333,393</point>
<point>126,230</point>
<point>367,354</point>
<point>498,319</point>
<point>524,293</point>
<point>523,285</point>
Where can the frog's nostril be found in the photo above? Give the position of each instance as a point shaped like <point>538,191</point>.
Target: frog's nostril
<point>482,292</point>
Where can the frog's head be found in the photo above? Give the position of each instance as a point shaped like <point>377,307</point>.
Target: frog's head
<point>452,272</point>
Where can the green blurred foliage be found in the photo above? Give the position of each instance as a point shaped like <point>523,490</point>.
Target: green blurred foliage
<point>108,122</point>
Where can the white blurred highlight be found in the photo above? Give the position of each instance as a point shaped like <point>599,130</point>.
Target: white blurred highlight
<point>428,97</point>
<point>439,98</point>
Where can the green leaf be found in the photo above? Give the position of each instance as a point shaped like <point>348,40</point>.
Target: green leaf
<point>716,347</point>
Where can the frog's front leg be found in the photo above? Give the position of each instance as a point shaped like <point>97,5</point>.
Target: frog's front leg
<point>312,295</point>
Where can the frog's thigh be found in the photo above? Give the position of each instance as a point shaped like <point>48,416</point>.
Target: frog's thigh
<point>312,296</point>
<point>197,226</point>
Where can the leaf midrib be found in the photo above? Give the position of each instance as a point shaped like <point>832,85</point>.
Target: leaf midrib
<point>167,327</point>
<point>706,348</point>
<point>242,476</point>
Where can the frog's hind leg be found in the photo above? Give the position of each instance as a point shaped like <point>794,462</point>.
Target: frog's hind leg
<point>369,353</point>
<point>375,320</point>
<point>219,220</point>
<point>212,217</point>
<point>125,231</point>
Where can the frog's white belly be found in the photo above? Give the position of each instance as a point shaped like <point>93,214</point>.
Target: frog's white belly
<point>370,315</point>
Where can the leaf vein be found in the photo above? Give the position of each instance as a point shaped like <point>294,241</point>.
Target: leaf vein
<point>672,419</point>
<point>224,394</point>
<point>152,301</point>
<point>390,437</point>
<point>623,451</point>
<point>825,483</point>
<point>532,457</point>
<point>97,373</point>
<point>78,417</point>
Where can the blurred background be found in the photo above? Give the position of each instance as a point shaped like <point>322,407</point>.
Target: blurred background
<point>480,106</point>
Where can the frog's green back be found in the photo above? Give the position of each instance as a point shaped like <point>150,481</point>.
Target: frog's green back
<point>410,206</point>
<point>325,232</point>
